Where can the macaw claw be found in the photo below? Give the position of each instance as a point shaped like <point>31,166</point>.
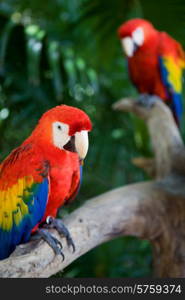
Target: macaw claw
<point>147,100</point>
<point>50,239</point>
<point>62,230</point>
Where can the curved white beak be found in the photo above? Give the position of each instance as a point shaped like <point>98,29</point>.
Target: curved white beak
<point>81,143</point>
<point>128,46</point>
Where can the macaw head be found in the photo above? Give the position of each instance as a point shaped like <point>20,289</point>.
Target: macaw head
<point>66,128</point>
<point>134,34</point>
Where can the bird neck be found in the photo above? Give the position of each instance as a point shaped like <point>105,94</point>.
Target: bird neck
<point>151,39</point>
<point>48,151</point>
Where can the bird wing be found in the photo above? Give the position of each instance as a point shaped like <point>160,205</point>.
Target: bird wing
<point>24,189</point>
<point>172,63</point>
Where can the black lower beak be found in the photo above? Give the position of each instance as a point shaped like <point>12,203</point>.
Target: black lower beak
<point>70,146</point>
<point>135,47</point>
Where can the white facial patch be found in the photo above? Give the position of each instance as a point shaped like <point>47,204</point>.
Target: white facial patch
<point>128,46</point>
<point>60,134</point>
<point>138,36</point>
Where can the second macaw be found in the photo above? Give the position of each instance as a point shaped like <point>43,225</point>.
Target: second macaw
<point>155,61</point>
<point>41,175</point>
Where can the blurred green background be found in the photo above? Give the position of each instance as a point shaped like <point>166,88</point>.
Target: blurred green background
<point>60,51</point>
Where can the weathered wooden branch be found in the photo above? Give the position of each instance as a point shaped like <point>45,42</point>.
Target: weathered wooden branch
<point>167,143</point>
<point>153,210</point>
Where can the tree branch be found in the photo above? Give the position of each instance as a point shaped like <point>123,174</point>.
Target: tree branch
<point>167,143</point>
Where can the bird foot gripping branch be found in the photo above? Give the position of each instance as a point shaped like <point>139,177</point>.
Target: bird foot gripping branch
<point>54,243</point>
<point>50,239</point>
<point>147,100</point>
<point>62,230</point>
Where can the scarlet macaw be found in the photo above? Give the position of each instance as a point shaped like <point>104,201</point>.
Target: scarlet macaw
<point>155,62</point>
<point>40,175</point>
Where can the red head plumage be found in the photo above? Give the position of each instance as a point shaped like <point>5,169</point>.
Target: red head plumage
<point>69,120</point>
<point>128,28</point>
<point>72,116</point>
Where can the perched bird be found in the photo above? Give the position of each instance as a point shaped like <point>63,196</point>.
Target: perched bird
<point>155,62</point>
<point>41,175</point>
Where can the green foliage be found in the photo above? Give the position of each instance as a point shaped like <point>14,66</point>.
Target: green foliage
<point>61,51</point>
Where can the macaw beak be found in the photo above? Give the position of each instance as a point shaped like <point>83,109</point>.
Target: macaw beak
<point>81,143</point>
<point>128,46</point>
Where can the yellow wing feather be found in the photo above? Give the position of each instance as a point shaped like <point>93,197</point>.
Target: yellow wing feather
<point>175,70</point>
<point>12,205</point>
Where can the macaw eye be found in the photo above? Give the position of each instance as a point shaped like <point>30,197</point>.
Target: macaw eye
<point>60,127</point>
<point>60,133</point>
